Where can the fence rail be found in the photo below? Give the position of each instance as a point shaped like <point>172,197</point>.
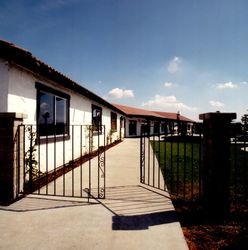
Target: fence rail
<point>239,164</point>
<point>62,165</point>
<point>173,161</point>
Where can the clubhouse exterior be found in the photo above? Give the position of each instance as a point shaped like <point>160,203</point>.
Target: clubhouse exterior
<point>49,99</point>
<point>49,124</point>
<point>153,122</point>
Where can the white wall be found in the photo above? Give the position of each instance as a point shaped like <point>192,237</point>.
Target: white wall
<point>22,99</point>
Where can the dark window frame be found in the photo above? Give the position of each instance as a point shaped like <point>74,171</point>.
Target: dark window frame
<point>113,121</point>
<point>56,94</point>
<point>96,119</point>
<point>132,127</point>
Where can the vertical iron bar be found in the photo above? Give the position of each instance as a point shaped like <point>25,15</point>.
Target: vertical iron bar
<point>46,164</point>
<point>165,161</point>
<point>141,158</point>
<point>144,157</point>
<point>64,162</point>
<point>104,166</point>
<point>98,155</point>
<point>38,143</point>
<point>244,170</point>
<point>200,165</point>
<point>54,163</point>
<point>81,157</point>
<point>30,158</point>
<point>192,169</point>
<point>184,169</point>
<point>148,160</point>
<point>24,148</point>
<point>18,155</point>
<point>235,167</point>
<point>178,135</point>
<point>153,157</point>
<point>171,159</point>
<point>90,134</point>
<point>72,159</point>
<point>159,148</point>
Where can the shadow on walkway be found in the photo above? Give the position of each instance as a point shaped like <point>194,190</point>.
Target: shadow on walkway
<point>142,222</point>
<point>38,202</point>
<point>137,207</point>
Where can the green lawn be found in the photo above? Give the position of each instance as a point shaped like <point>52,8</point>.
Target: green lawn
<point>181,165</point>
<point>239,172</point>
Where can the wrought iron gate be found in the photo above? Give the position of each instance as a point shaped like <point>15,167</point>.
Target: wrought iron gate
<point>69,165</point>
<point>171,158</point>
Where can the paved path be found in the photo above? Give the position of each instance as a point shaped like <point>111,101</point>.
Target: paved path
<point>131,217</point>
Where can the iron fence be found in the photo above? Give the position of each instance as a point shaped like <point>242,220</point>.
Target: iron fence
<point>71,164</point>
<point>173,160</point>
<point>239,164</point>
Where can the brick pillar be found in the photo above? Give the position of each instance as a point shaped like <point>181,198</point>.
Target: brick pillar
<point>216,162</point>
<point>9,172</point>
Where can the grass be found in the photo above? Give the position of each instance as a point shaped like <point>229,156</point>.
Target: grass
<point>180,163</point>
<point>239,173</point>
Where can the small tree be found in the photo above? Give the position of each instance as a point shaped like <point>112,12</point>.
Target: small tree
<point>31,164</point>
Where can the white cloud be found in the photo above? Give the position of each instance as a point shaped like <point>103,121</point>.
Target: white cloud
<point>244,83</point>
<point>120,93</point>
<point>227,85</point>
<point>168,102</point>
<point>169,84</point>
<point>216,104</point>
<point>174,65</point>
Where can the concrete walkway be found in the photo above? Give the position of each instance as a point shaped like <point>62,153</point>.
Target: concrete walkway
<point>132,216</point>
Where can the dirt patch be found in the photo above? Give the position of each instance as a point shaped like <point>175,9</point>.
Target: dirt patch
<point>203,232</point>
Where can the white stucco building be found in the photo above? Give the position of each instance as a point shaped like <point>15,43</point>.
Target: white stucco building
<point>153,122</point>
<point>67,119</point>
<point>60,110</point>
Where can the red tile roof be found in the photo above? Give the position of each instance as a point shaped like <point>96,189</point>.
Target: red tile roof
<point>131,111</point>
<point>173,116</point>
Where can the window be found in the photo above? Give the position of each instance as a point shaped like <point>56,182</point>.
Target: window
<point>113,121</point>
<point>52,111</point>
<point>122,122</point>
<point>156,128</point>
<point>163,125</point>
<point>97,118</point>
<point>132,127</point>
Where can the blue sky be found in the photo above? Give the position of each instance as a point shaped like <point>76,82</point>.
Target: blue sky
<point>171,55</point>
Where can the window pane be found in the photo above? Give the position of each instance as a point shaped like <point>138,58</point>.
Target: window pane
<point>60,110</point>
<point>46,114</point>
<point>96,117</point>
<point>52,114</point>
<point>61,116</point>
<point>113,121</point>
<point>132,127</point>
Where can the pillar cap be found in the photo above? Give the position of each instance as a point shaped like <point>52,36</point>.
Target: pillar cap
<point>218,115</point>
